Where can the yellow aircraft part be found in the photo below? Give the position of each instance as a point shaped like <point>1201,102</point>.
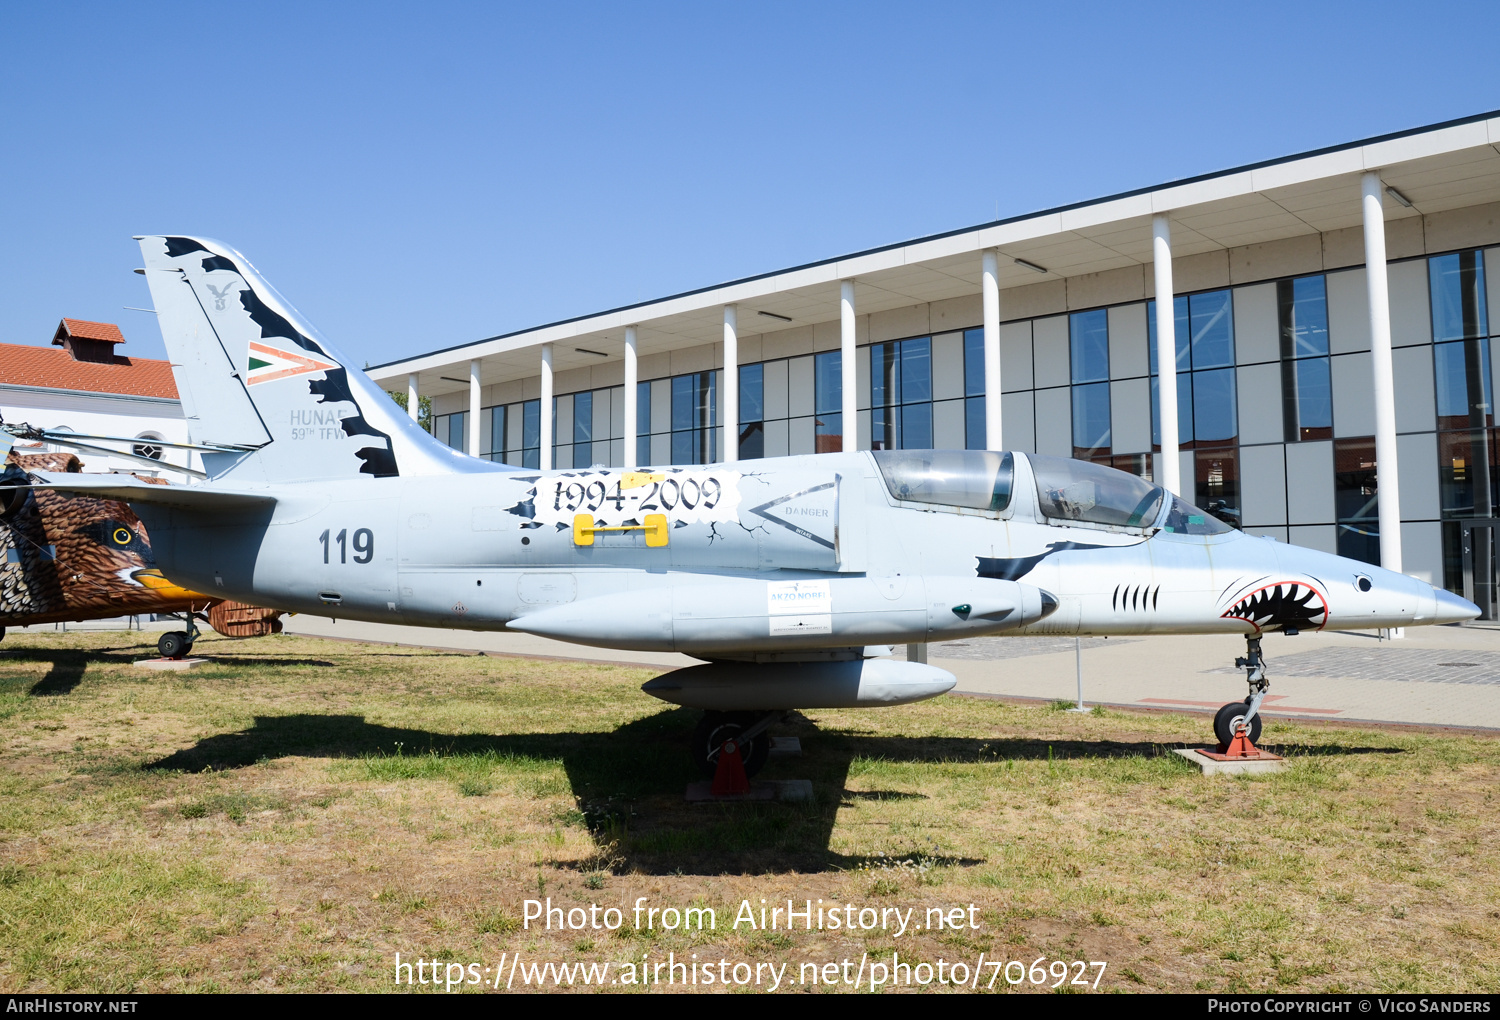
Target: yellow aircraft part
<point>656,529</point>
<point>152,578</point>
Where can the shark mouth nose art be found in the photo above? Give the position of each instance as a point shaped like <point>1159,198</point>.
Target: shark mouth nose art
<point>1287,604</point>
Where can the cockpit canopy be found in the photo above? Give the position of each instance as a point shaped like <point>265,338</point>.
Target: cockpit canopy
<point>978,479</point>
<point>1066,490</point>
<point>1076,490</point>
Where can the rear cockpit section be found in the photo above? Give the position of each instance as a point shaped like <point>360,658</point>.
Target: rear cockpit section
<point>972,479</point>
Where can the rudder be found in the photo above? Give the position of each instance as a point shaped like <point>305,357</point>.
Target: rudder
<point>255,376</point>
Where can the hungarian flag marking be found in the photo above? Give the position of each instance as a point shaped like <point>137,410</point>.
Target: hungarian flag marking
<point>267,364</point>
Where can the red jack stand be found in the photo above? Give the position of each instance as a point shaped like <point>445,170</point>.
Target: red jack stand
<point>1240,749</point>
<point>729,774</point>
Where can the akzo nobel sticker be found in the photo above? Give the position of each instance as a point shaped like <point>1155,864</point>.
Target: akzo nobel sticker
<point>799,607</point>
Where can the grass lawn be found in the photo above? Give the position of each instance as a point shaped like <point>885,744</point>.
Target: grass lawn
<point>295,814</point>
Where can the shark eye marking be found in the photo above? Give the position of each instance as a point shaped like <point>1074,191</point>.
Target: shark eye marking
<point>1135,597</point>
<point>1363,583</point>
<point>1288,604</point>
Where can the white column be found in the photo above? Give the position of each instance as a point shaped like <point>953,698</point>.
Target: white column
<point>1378,291</point>
<point>729,402</point>
<point>413,399</point>
<point>474,407</point>
<point>1168,469</point>
<point>848,377</point>
<point>993,438</point>
<point>546,452</point>
<point>631,411</point>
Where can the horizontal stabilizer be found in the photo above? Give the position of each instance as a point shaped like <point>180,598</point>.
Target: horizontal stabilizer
<point>127,490</point>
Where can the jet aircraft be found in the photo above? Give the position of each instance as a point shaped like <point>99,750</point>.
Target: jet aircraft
<point>791,577</point>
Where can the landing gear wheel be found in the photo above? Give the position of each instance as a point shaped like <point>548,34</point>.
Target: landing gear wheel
<point>1228,718</point>
<point>715,728</point>
<point>174,644</point>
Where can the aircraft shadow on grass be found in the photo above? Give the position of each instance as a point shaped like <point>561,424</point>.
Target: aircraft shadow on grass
<point>69,666</point>
<point>628,783</point>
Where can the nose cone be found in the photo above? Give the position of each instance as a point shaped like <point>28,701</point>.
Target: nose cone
<point>1452,609</point>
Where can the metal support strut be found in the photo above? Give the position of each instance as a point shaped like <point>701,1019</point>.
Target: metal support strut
<point>1255,676</point>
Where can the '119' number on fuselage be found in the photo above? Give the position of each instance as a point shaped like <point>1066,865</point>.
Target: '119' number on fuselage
<point>364,545</point>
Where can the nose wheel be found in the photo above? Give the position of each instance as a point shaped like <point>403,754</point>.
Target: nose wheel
<point>1238,724</point>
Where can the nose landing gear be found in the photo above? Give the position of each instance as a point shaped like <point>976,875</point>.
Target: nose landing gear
<point>1238,724</point>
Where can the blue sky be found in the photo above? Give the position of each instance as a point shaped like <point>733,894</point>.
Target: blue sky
<point>413,177</point>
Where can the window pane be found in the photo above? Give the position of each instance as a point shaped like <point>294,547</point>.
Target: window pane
<point>916,427</point>
<point>1184,411</point>
<point>1462,372</point>
<point>1213,329</point>
<point>829,436</point>
<point>1217,484</point>
<point>1214,418</point>
<point>531,426</point>
<point>643,412</point>
<point>1088,336</point>
<point>1356,499</point>
<point>684,404</point>
<point>884,426</point>
<point>916,371</point>
<point>1306,400</point>
<point>1181,335</point>
<point>1467,469</point>
<point>975,437</point>
<point>498,439</point>
<point>828,382</point>
<point>752,441</point>
<point>682,448</point>
<point>643,449</point>
<point>752,393</point>
<point>1090,419</point>
<point>1303,310</point>
<point>1458,305</point>
<point>583,417</point>
<point>885,374</point>
<point>973,362</point>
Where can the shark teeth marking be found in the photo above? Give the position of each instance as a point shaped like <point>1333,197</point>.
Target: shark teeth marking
<point>1287,604</point>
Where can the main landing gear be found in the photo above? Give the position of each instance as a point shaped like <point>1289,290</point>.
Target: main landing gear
<point>176,644</point>
<point>1239,722</point>
<point>723,739</point>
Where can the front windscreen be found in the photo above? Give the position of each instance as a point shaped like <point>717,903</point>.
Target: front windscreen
<point>969,478</point>
<point>1075,490</point>
<point>1186,519</point>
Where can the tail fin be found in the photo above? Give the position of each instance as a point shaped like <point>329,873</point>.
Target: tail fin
<point>253,375</point>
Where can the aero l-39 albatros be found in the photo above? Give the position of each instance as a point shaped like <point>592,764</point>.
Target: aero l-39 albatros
<point>791,576</point>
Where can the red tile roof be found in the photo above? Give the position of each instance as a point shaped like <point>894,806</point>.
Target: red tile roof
<point>85,330</point>
<point>55,369</point>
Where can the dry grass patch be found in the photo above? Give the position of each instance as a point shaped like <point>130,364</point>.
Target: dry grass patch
<point>295,814</point>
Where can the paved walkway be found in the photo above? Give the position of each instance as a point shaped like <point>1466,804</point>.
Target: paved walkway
<point>1437,676</point>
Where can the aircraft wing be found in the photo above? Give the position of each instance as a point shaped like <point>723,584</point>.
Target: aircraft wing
<point>130,490</point>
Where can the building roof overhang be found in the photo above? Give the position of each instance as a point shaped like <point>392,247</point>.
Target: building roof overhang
<point>1438,168</point>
